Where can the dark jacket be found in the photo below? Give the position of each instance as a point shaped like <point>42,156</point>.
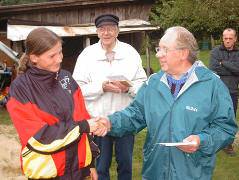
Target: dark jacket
<point>49,114</point>
<point>228,70</point>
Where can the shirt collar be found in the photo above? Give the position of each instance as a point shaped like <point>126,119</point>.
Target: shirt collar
<point>102,52</point>
<point>187,74</point>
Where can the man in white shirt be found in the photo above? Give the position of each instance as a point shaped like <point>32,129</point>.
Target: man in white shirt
<point>96,71</point>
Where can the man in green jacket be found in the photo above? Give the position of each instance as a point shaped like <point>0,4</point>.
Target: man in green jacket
<point>187,110</point>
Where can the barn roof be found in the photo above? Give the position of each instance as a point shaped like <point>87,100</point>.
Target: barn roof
<point>20,32</point>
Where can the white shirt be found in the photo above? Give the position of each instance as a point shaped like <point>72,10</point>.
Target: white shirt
<point>92,69</point>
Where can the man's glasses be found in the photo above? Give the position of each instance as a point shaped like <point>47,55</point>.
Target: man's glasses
<point>109,29</point>
<point>165,50</point>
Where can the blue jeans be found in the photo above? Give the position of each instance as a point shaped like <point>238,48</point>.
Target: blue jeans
<point>123,154</point>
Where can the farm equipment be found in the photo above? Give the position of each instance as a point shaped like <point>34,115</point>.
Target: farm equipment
<point>6,73</point>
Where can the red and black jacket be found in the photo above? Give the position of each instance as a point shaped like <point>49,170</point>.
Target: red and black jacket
<point>48,112</point>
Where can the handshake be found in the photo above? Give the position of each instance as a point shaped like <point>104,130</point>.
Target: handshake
<point>99,126</point>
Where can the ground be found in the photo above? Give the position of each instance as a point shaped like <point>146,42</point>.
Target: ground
<point>9,154</point>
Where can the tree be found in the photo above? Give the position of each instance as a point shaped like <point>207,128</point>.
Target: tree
<point>202,17</point>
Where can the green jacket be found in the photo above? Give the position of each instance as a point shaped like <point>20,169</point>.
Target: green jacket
<point>203,107</point>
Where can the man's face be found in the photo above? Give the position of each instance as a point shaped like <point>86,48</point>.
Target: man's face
<point>168,54</point>
<point>229,39</point>
<point>108,34</point>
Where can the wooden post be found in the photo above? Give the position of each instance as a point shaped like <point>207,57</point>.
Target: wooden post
<point>212,42</point>
<point>148,62</point>
<point>17,46</point>
<point>86,41</point>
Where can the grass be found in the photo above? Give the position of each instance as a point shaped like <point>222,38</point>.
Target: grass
<point>226,167</point>
<point>203,56</point>
<point>4,118</point>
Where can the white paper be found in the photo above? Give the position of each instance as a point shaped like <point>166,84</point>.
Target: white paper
<point>178,144</point>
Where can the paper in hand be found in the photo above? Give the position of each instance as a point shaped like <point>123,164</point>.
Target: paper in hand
<point>178,144</point>
<point>122,79</point>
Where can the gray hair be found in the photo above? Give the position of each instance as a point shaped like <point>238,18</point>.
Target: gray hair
<point>185,40</point>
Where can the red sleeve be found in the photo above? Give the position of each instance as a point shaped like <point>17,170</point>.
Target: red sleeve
<point>28,119</point>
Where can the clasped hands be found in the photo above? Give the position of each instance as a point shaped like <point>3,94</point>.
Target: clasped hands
<point>99,126</point>
<point>115,87</point>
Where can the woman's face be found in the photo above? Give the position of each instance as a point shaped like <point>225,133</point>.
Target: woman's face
<point>49,60</point>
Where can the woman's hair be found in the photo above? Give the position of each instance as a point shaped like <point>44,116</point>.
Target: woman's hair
<point>185,39</point>
<point>38,42</point>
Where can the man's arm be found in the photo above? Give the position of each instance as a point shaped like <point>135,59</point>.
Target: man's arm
<point>220,66</point>
<point>128,121</point>
<point>131,120</point>
<point>90,90</point>
<point>221,131</point>
<point>139,78</point>
<point>232,66</point>
<point>215,62</point>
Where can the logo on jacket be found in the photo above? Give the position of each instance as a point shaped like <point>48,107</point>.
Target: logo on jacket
<point>65,82</point>
<point>190,108</point>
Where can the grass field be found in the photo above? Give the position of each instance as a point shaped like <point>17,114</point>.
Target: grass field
<point>226,167</point>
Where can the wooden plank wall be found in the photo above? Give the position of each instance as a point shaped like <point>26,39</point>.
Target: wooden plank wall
<point>86,15</point>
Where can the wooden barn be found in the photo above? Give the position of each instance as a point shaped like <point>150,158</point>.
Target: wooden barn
<point>74,21</point>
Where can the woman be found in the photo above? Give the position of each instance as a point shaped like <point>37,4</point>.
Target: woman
<point>49,114</point>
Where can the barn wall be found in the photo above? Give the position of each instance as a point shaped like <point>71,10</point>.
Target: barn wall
<point>80,15</point>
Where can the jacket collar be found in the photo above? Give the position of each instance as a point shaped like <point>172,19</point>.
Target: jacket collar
<point>193,77</point>
<point>101,52</point>
<point>223,48</point>
<point>43,76</point>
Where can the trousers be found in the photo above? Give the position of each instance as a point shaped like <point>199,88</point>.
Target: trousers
<point>123,153</point>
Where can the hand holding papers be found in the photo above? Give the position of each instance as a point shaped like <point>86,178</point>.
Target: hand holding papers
<point>116,84</point>
<point>122,79</point>
<point>189,144</point>
<point>193,143</point>
<point>178,144</point>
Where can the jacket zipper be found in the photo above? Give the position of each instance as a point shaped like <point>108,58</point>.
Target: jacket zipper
<point>170,139</point>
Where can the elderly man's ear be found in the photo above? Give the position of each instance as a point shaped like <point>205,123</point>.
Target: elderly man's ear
<point>184,54</point>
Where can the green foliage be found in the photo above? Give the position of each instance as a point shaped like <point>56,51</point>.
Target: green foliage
<point>202,17</point>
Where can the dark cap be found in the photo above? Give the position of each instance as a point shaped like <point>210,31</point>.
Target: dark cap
<point>106,19</point>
